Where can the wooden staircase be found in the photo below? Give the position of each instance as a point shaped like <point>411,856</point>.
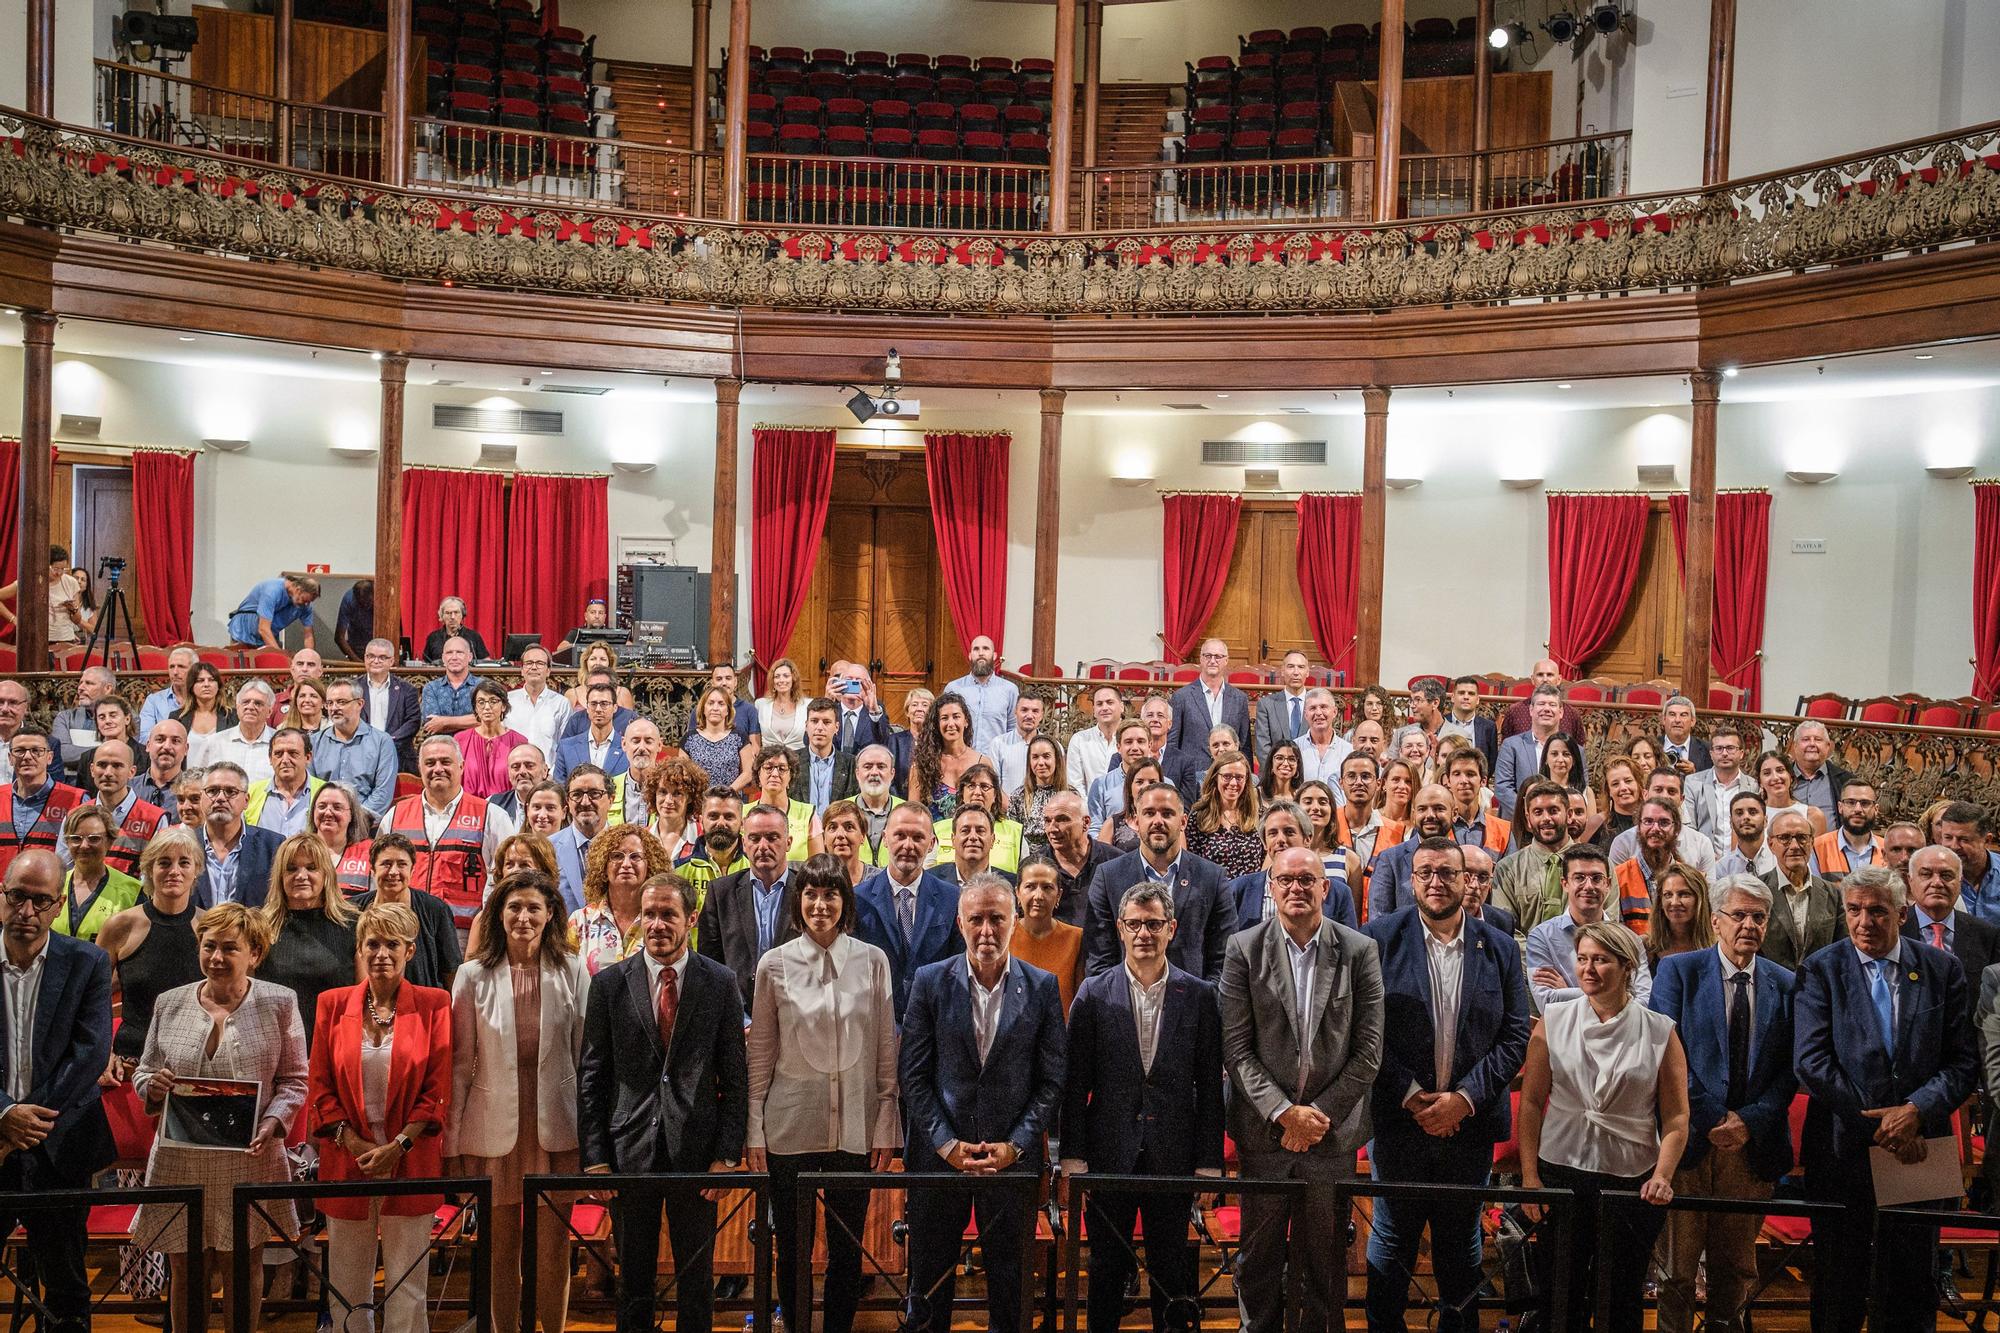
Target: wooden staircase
<point>1131,132</point>
<point>654,106</point>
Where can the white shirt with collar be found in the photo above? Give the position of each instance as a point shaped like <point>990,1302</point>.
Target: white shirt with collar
<point>23,987</point>
<point>986,1005</point>
<point>540,720</point>
<point>1148,1003</point>
<point>1446,959</point>
<point>1090,756</point>
<point>655,969</point>
<point>378,703</point>
<point>1923,921</point>
<point>1214,700</point>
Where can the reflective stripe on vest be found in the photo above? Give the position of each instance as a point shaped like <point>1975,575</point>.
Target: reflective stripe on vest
<point>142,821</point>
<point>454,868</point>
<point>45,832</point>
<point>1635,899</point>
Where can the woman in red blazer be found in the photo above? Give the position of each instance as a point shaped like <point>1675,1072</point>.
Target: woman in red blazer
<point>380,1085</point>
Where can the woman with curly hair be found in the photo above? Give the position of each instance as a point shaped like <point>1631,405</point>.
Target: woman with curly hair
<point>942,754</point>
<point>1375,705</point>
<point>1284,769</point>
<point>675,788</point>
<point>606,928</point>
<point>1222,827</point>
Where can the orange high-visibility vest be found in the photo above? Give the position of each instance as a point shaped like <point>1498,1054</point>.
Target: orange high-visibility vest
<point>1635,898</point>
<point>1832,856</point>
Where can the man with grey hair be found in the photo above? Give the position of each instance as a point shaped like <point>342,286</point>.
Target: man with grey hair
<point>1935,875</point>
<point>1322,750</point>
<point>874,797</point>
<point>351,752</point>
<point>74,729</point>
<point>1427,710</point>
<point>1679,746</point>
<point>1816,779</point>
<point>1733,1011</point>
<point>451,625</point>
<point>165,702</point>
<point>248,743</point>
<point>447,699</point>
<point>1284,824</point>
<point>390,704</point>
<point>1806,915</point>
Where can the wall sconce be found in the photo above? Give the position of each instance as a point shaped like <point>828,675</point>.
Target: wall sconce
<point>1950,473</point>
<point>1811,478</point>
<point>355,450</point>
<point>618,465</point>
<point>225,446</point>
<point>1132,481</point>
<point>1520,483</point>
<point>1402,483</point>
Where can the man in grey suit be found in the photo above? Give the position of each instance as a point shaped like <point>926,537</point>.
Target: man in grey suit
<point>1207,702</point>
<point>1302,1039</point>
<point>1805,911</point>
<point>1281,714</point>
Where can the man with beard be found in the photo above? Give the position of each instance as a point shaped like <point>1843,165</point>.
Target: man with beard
<point>1805,911</point>
<point>1750,852</point>
<point>721,846</point>
<point>588,793</point>
<point>350,751</point>
<point>874,778</point>
<point>904,910</point>
<point>1455,1024</point>
<point>1204,913</point>
<point>1389,880</point>
<point>526,770</point>
<point>1360,812</point>
<point>1852,842</point>
<point>1528,880</point>
<point>988,696</point>
<point>641,746</point>
<point>1659,828</point>
<point>1579,815</point>
<point>1697,849</point>
<point>1551,952</point>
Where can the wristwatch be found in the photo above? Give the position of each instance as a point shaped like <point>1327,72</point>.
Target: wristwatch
<point>405,1142</point>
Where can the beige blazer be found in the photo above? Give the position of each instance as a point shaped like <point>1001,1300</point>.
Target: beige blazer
<point>822,1049</point>
<point>485,1115</point>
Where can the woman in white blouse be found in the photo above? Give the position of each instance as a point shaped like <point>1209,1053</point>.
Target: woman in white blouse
<point>822,1080</point>
<point>1604,1106</point>
<point>781,714</point>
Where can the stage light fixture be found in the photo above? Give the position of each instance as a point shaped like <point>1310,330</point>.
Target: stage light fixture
<point>1561,27</point>
<point>1509,34</point>
<point>1606,18</point>
<point>862,407</point>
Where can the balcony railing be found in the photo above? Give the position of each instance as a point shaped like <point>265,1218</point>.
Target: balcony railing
<point>562,169</point>
<point>1564,171</point>
<point>920,195</point>
<point>309,136</point>
<point>1319,190</point>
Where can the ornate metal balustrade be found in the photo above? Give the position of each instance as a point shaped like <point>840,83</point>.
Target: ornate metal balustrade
<point>1901,199</point>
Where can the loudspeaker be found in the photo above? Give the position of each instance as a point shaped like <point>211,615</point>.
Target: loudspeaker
<point>677,594</point>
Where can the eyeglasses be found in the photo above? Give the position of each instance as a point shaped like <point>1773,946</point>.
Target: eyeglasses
<point>38,903</point>
<point>1444,875</point>
<point>588,794</point>
<point>1791,837</point>
<point>227,793</point>
<point>1294,881</point>
<point>27,751</point>
<point>1743,918</point>
<point>1143,925</point>
<point>1588,881</point>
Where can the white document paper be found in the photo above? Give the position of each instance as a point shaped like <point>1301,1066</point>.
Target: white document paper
<point>1936,1177</point>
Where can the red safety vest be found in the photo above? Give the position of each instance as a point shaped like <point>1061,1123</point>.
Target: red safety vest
<point>142,821</point>
<point>1832,856</point>
<point>353,870</point>
<point>1635,899</point>
<point>453,868</point>
<point>47,829</point>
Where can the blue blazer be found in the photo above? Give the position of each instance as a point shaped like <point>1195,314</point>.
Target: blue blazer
<point>570,848</point>
<point>936,936</point>
<point>1516,766</point>
<point>578,723</point>
<point>1203,907</point>
<point>1499,918</point>
<point>948,1094</point>
<point>1491,1039</point>
<point>1114,1109</point>
<point>870,730</point>
<point>1688,988</point>
<point>1191,726</point>
<point>1843,1067</point>
<point>574,750</point>
<point>1248,892</point>
<point>1486,739</point>
<point>72,1043</point>
<point>256,849</point>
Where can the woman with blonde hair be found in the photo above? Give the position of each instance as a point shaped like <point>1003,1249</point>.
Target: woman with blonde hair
<point>605,930</point>
<point>781,711</point>
<point>152,943</point>
<point>597,657</point>
<point>311,924</point>
<point>1222,827</point>
<point>715,744</point>
<point>92,891</point>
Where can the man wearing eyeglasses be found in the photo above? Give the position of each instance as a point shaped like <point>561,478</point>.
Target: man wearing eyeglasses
<point>55,1038</point>
<point>34,805</point>
<point>588,792</point>
<point>237,856</point>
<point>1207,702</point>
<point>1551,951</point>
<point>1805,913</point>
<point>1733,1011</point>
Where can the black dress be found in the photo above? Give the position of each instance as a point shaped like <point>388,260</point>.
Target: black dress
<point>167,959</point>
<point>310,955</point>
<point>437,957</point>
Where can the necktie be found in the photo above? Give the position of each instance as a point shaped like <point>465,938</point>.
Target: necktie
<point>1298,718</point>
<point>847,729</point>
<point>1884,995</point>
<point>670,1003</point>
<point>1739,1040</point>
<point>1937,934</point>
<point>906,913</point>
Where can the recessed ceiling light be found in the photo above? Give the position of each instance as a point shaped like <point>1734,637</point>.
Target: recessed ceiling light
<point>1222,395</point>
<point>1926,356</point>
<point>1730,372</point>
<point>1562,386</point>
<point>548,372</point>
<point>374,356</point>
<point>187,337</point>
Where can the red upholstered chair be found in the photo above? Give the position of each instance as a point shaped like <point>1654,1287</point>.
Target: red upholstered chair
<point>1591,691</point>
<point>1520,689</point>
<point>1138,671</point>
<point>1882,709</point>
<point>1946,712</point>
<point>1724,698</point>
<point>1826,707</point>
<point>1644,696</point>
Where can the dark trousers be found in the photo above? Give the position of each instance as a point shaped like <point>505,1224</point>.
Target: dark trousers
<point>847,1215</point>
<point>691,1232</point>
<point>1279,1232</point>
<point>1170,1258</point>
<point>1398,1229</point>
<point>56,1236</point>
<point>937,1229</point>
<point>1616,1254</point>
<point>1844,1255</point>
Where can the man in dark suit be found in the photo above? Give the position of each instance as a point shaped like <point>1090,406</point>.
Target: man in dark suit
<point>51,1119</point>
<point>389,703</point>
<point>1886,1049</point>
<point>821,759</point>
<point>1302,1074</point>
<point>1796,890</point>
<point>1455,1024</point>
<point>861,721</point>
<point>1390,888</point>
<point>1143,1096</point>
<point>904,911</point>
<point>527,769</point>
<point>1207,702</point>
<point>1466,719</point>
<point>1204,912</point>
<point>981,1076</point>
<point>663,1085</point>
<point>1934,876</point>
<point>1816,778</point>
<point>746,915</point>
<point>1284,824</point>
<point>1477,881</point>
<point>236,866</point>
<point>1680,748</point>
<point>1733,1011</point>
<point>1281,714</point>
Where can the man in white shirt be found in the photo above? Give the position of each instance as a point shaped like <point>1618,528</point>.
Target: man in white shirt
<point>988,696</point>
<point>1697,849</point>
<point>535,710</point>
<point>1321,752</point>
<point>1091,752</point>
<point>1551,951</point>
<point>1749,852</point>
<point>1010,749</point>
<point>1360,794</point>
<point>248,743</point>
<point>1705,807</point>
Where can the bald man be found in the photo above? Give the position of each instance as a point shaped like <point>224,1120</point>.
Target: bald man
<point>1935,875</point>
<point>1518,718</point>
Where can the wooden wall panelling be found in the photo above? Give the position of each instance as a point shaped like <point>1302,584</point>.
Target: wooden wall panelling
<point>1437,113</point>
<point>1261,614</point>
<point>331,64</point>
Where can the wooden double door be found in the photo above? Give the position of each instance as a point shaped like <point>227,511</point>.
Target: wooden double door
<point>877,594</point>
<point>1647,643</point>
<point>1261,614</point>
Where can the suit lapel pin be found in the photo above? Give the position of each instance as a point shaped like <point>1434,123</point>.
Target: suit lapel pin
<point>1915,977</point>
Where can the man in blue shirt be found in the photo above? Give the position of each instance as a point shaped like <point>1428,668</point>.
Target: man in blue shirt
<point>351,752</point>
<point>164,703</point>
<point>1961,826</point>
<point>355,625</point>
<point>990,698</point>
<point>272,607</point>
<point>447,701</point>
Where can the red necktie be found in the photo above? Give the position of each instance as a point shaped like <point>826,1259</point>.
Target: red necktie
<point>1937,934</point>
<point>670,1003</point>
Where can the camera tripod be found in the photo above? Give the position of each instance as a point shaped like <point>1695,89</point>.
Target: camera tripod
<point>106,628</point>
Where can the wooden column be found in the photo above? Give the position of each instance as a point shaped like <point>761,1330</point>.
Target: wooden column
<point>722,550</point>
<point>698,102</point>
<point>281,80</point>
<point>1062,116</point>
<point>1368,579</point>
<point>1389,112</point>
<point>1093,86</point>
<point>1482,100</point>
<point>396,107</point>
<point>38,354</point>
<point>1048,531</point>
<point>389,501</point>
<point>1721,92</point>
<point>41,58</point>
<point>1700,560</point>
<point>735,161</point>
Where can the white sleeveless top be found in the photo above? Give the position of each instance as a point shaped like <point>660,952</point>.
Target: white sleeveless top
<point>1603,1088</point>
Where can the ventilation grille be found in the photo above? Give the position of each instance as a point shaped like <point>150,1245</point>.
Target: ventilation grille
<point>496,420</point>
<point>1186,407</point>
<point>1269,453</point>
<point>583,390</point>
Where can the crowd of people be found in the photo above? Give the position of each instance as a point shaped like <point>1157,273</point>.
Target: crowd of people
<point>801,937</point>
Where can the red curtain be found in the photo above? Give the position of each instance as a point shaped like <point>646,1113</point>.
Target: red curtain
<point>968,485</point>
<point>1329,552</point>
<point>1742,567</point>
<point>1594,547</point>
<point>10,507</point>
<point>1200,539</point>
<point>791,479</point>
<point>454,545</point>
<point>1986,590</point>
<point>558,553</point>
<point>163,529</point>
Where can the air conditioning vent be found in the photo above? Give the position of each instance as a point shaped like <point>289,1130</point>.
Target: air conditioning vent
<point>585,390</point>
<point>496,420</point>
<point>1186,407</point>
<point>1265,453</point>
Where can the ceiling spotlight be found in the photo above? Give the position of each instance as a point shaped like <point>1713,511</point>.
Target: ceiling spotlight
<point>1926,356</point>
<point>1606,18</point>
<point>1562,386</point>
<point>862,406</point>
<point>1561,27</point>
<point>1509,34</point>
<point>1730,372</point>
